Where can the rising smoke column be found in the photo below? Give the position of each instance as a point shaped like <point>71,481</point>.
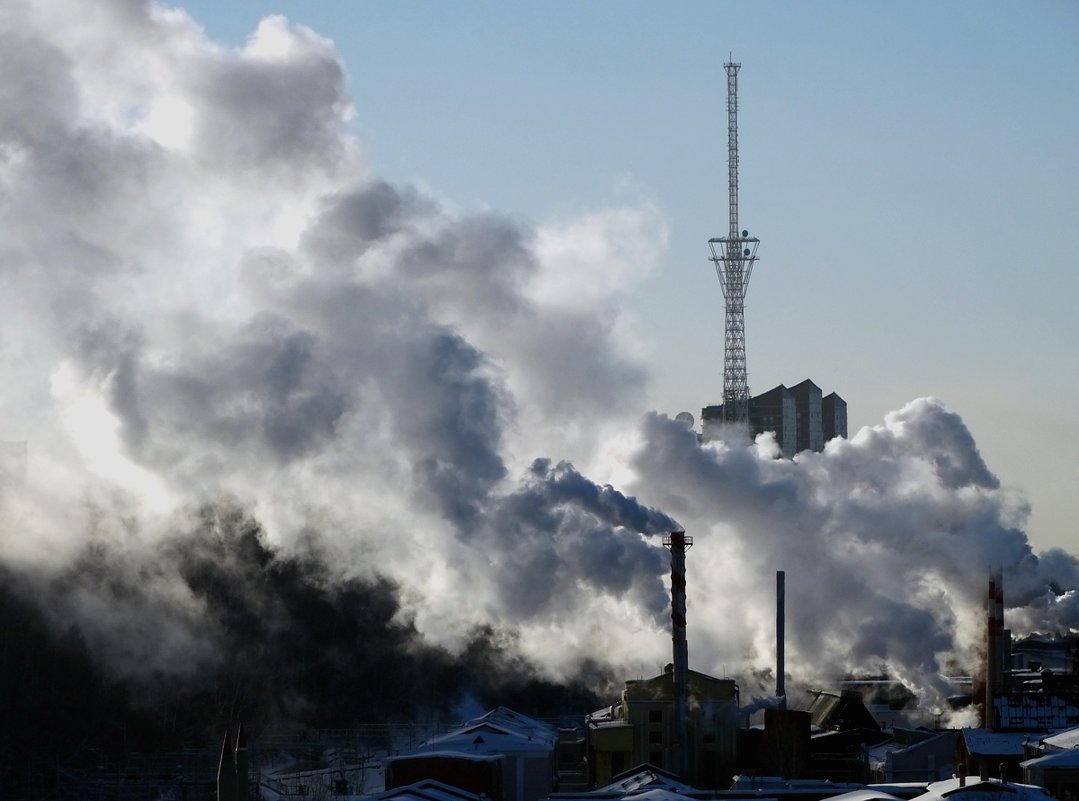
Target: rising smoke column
<point>887,540</point>
<point>210,304</point>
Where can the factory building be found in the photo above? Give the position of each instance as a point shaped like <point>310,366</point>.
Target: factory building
<point>640,729</point>
<point>680,721</point>
<point>801,418</point>
<point>1020,694</point>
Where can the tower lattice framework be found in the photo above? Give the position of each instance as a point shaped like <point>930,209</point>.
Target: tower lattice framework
<point>734,256</point>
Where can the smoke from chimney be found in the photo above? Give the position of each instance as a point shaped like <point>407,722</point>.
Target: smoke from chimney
<point>242,358</point>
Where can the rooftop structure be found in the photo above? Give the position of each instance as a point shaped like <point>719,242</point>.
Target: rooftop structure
<point>503,755</point>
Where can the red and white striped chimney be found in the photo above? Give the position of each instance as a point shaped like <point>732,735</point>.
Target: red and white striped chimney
<point>994,647</point>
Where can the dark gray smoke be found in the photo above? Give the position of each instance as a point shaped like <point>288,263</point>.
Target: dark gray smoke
<point>246,633</point>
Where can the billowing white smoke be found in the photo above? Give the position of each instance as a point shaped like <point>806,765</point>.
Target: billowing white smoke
<point>887,540</point>
<point>206,294</point>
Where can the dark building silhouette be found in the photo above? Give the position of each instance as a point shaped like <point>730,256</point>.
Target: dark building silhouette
<point>833,416</point>
<point>639,729</point>
<point>809,425</point>
<point>799,416</point>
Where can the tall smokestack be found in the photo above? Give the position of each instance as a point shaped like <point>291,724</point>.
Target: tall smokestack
<point>994,647</point>
<point>781,602</point>
<point>678,542</point>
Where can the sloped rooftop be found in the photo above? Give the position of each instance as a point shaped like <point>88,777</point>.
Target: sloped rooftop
<point>984,741</point>
<point>991,790</point>
<point>1065,739</point>
<point>499,731</point>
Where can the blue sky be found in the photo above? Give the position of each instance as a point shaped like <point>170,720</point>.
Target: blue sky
<point>910,168</point>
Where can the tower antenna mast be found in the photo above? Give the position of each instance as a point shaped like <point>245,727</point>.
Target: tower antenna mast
<point>734,256</point>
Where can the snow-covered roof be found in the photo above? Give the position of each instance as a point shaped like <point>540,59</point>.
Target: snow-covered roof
<point>613,724</point>
<point>1068,758</point>
<point>659,794</point>
<point>427,790</point>
<point>1064,739</point>
<point>864,795</point>
<point>508,720</point>
<point>500,731</point>
<point>989,790</point>
<point>901,789</point>
<point>447,754</point>
<point>645,777</point>
<point>607,713</point>
<point>984,741</point>
<point>878,754</point>
<point>486,739</point>
<point>765,783</point>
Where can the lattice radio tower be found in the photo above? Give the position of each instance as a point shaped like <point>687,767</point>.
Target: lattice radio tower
<point>734,256</point>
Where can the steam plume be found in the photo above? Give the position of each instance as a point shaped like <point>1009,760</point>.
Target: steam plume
<point>276,405</point>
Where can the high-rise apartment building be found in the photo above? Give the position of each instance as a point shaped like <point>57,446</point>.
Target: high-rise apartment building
<point>800,417</point>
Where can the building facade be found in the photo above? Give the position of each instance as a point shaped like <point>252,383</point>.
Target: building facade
<point>807,400</point>
<point>639,729</point>
<point>800,417</point>
<point>834,413</point>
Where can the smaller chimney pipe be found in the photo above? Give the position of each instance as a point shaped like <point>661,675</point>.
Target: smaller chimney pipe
<point>781,602</point>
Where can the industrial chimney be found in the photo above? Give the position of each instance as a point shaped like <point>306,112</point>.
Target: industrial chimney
<point>995,651</point>
<point>678,543</point>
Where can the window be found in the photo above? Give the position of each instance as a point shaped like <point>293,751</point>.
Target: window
<point>655,715</point>
<point>655,737</point>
